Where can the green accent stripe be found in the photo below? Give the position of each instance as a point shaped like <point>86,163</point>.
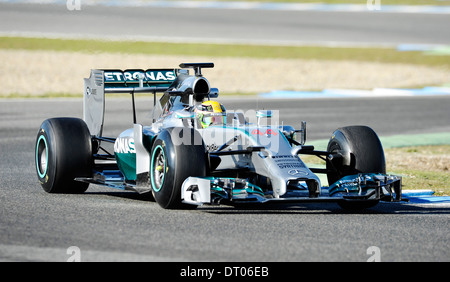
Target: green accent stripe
<point>38,165</point>
<point>127,164</point>
<point>159,147</point>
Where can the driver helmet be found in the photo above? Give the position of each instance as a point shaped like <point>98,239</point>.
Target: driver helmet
<point>211,113</point>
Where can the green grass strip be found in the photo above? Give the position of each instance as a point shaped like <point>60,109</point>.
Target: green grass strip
<point>383,55</point>
<point>409,140</point>
<point>398,141</point>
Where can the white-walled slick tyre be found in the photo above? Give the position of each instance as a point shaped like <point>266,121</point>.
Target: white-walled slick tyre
<point>63,151</point>
<point>172,161</point>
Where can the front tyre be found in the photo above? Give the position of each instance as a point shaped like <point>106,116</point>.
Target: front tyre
<point>177,154</point>
<point>361,152</point>
<point>63,151</point>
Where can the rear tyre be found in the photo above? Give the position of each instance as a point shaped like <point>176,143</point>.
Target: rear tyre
<point>63,151</point>
<point>175,157</point>
<point>361,152</point>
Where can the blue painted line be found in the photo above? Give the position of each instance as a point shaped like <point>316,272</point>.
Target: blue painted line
<point>414,47</point>
<point>424,197</point>
<point>426,49</point>
<point>429,90</point>
<point>290,6</point>
<point>355,93</point>
<point>429,200</point>
<point>417,193</point>
<point>242,5</point>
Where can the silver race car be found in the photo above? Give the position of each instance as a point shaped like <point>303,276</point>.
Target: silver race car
<point>195,152</point>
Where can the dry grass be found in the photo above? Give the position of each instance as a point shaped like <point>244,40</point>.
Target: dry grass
<point>421,167</point>
<point>26,73</point>
<point>429,158</point>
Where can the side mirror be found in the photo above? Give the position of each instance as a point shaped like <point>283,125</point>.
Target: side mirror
<point>213,93</point>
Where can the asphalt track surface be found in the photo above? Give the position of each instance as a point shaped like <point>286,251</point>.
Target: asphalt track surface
<point>111,225</point>
<point>226,25</point>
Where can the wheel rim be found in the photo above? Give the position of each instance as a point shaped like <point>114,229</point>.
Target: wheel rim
<point>158,168</point>
<point>41,156</point>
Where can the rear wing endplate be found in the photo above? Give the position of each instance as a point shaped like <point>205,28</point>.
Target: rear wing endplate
<point>129,81</point>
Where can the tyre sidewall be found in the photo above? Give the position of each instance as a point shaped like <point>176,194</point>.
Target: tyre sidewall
<point>164,194</point>
<point>361,150</point>
<point>46,138</point>
<point>69,151</point>
<point>182,161</point>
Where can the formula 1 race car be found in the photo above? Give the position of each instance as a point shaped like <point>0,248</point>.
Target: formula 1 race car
<point>196,152</point>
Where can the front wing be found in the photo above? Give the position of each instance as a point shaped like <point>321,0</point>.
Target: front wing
<point>236,191</point>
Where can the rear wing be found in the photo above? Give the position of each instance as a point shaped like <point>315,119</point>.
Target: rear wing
<point>129,81</point>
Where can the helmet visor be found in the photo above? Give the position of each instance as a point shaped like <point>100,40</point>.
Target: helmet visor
<point>214,119</point>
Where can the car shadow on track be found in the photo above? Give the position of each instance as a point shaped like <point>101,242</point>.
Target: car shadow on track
<point>130,195</point>
<point>313,208</point>
<point>330,208</point>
